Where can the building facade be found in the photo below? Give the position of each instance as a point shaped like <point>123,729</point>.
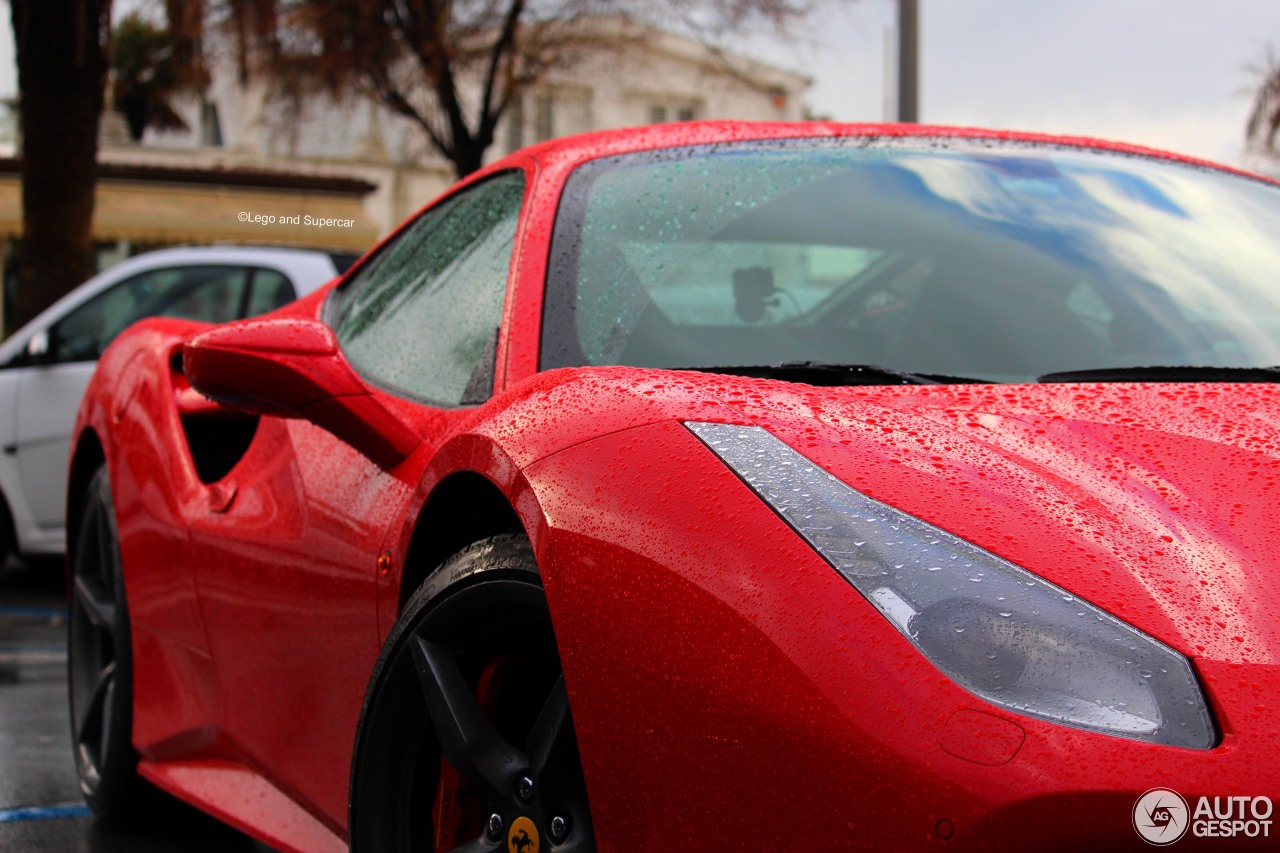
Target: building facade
<point>637,75</point>
<point>253,169</point>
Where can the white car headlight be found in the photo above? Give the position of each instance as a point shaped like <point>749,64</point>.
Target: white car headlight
<point>994,628</point>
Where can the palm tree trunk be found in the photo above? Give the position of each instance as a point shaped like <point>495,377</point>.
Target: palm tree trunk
<point>62,73</point>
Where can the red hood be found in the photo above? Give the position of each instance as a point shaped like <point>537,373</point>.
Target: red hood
<point>1159,503</point>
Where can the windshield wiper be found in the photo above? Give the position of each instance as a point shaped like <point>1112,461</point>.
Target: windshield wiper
<point>1166,373</point>
<point>825,374</point>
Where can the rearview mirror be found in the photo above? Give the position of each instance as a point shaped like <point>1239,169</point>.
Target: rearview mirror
<point>293,368</point>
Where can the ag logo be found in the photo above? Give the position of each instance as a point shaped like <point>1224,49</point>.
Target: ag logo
<point>523,837</point>
<point>1160,816</point>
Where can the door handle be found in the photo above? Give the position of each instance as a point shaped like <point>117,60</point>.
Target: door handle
<point>220,496</point>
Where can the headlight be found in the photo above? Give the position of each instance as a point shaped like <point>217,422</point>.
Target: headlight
<point>997,630</point>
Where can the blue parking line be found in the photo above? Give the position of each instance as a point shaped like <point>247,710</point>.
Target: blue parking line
<point>39,612</point>
<point>67,810</point>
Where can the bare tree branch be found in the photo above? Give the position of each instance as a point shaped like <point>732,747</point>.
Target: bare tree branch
<point>491,50</point>
<point>1264,117</point>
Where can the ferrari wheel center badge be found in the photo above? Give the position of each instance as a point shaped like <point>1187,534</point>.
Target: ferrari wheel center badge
<point>523,836</point>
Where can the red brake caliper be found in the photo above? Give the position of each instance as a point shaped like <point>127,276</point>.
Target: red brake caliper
<point>459,807</point>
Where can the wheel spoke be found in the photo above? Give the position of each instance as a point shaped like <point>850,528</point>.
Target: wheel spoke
<point>94,710</point>
<point>549,726</point>
<point>106,547</point>
<point>553,750</point>
<point>97,604</point>
<point>468,739</point>
<point>108,702</point>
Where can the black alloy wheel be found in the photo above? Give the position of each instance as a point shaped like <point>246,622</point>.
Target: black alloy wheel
<point>99,665</point>
<point>465,741</point>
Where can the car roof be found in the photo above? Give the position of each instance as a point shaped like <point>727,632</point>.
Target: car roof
<point>569,151</point>
<point>308,269</point>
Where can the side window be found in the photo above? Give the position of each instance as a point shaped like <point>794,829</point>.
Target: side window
<point>424,316</point>
<point>271,289</point>
<point>212,294</point>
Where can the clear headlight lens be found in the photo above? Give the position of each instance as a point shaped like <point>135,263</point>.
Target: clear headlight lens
<point>997,630</point>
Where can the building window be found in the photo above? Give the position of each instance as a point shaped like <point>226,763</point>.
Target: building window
<point>662,112</point>
<point>539,116</point>
<point>515,124</point>
<point>543,125</point>
<point>210,126</point>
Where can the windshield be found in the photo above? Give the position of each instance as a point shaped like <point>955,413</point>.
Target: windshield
<point>993,261</point>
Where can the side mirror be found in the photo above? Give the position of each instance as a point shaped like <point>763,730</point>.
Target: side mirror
<point>39,349</point>
<point>293,368</point>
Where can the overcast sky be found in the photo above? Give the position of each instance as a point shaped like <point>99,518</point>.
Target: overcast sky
<point>1167,73</point>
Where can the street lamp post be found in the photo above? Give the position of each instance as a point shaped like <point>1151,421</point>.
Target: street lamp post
<point>908,62</point>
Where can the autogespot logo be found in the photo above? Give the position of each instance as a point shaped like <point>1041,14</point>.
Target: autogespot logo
<point>1160,816</point>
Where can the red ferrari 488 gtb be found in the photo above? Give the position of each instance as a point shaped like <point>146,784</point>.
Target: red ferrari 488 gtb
<point>854,487</point>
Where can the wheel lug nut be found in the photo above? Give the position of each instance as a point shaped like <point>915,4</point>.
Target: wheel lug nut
<point>559,829</point>
<point>524,789</point>
<point>495,826</point>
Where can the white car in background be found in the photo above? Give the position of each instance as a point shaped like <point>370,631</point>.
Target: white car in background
<point>45,366</point>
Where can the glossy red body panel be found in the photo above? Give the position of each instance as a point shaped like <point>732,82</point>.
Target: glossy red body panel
<point>722,676</point>
<point>749,632</point>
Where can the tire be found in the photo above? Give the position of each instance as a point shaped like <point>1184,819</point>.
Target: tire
<point>465,739</point>
<point>99,668</point>
<point>8,536</point>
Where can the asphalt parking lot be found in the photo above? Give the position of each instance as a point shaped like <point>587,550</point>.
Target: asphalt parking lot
<point>40,804</point>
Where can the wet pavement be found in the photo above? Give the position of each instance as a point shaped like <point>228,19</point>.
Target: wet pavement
<point>40,804</point>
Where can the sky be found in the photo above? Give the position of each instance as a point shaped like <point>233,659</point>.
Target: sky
<point>1171,74</point>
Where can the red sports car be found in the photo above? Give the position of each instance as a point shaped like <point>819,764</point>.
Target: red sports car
<point>857,487</point>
